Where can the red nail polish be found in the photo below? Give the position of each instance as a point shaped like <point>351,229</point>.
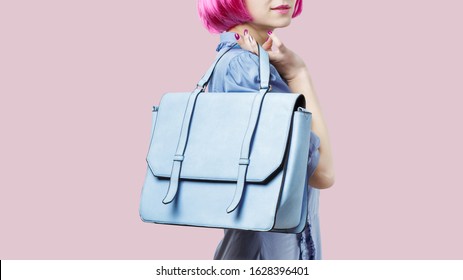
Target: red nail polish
<point>237,36</point>
<point>245,31</point>
<point>269,32</point>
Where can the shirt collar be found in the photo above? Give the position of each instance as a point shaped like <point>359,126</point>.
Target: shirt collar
<point>227,39</point>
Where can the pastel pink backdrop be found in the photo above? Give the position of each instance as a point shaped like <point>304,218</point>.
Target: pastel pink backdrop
<point>78,79</point>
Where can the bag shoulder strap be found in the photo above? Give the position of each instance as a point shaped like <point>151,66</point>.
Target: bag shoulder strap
<point>264,68</point>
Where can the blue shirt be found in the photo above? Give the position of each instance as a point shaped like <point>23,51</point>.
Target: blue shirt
<point>238,71</point>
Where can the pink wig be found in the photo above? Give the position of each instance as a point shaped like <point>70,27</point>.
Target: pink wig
<point>221,15</point>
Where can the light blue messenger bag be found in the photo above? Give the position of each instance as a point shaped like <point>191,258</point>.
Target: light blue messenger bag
<point>234,160</point>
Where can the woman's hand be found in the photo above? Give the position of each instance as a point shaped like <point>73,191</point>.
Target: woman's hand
<point>287,62</point>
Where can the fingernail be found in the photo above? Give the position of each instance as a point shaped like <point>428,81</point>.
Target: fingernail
<point>269,32</point>
<point>266,39</point>
<point>245,31</point>
<point>237,36</point>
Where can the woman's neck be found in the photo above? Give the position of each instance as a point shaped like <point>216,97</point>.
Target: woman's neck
<point>259,34</point>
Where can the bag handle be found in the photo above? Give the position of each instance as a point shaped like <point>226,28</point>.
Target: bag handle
<point>264,68</point>
<point>264,75</point>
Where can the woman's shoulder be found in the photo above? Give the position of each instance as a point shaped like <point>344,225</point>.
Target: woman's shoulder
<point>238,57</point>
<point>243,63</point>
<point>238,70</point>
<point>244,58</point>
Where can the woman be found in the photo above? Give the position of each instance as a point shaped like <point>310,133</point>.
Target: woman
<point>252,22</point>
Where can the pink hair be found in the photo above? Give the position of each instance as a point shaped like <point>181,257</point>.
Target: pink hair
<point>221,15</point>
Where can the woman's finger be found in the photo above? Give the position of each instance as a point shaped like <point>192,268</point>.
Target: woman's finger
<point>249,42</point>
<point>267,45</point>
<point>240,40</point>
<point>276,42</point>
<point>244,42</point>
<point>273,56</point>
<point>253,45</point>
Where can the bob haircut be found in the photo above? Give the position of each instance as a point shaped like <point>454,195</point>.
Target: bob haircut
<point>221,15</point>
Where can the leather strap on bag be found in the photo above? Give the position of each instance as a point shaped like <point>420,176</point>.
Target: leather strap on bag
<point>264,76</point>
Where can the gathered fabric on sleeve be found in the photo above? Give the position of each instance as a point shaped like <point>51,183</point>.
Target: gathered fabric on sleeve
<point>238,71</point>
<point>242,75</point>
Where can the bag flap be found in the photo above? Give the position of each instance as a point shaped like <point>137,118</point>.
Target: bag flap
<point>217,129</point>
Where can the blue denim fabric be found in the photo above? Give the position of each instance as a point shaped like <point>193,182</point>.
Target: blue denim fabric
<point>238,72</point>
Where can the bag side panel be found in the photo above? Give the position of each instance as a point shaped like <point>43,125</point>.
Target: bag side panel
<point>291,201</point>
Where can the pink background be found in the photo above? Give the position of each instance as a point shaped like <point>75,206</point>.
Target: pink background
<point>78,80</point>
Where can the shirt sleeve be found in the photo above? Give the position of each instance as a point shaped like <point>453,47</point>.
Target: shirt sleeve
<point>314,153</point>
<point>242,75</point>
